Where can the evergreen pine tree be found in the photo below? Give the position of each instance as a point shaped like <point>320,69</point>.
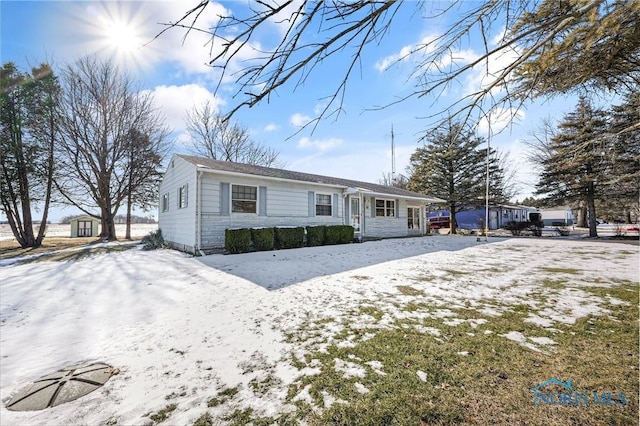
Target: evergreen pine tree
<point>578,160</point>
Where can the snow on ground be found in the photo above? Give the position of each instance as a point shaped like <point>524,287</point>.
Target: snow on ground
<point>181,328</point>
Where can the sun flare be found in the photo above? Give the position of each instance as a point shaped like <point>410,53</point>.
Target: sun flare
<point>122,37</point>
<point>120,31</point>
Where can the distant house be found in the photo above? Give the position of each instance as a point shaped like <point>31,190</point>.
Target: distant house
<point>84,226</point>
<point>499,216</point>
<point>201,197</point>
<point>557,216</point>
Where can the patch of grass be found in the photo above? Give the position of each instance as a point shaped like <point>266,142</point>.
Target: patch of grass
<point>204,420</point>
<point>409,291</point>
<point>75,255</point>
<point>223,396</point>
<point>245,417</point>
<point>372,311</point>
<point>163,414</point>
<point>554,284</point>
<point>490,385</point>
<point>10,249</point>
<point>262,386</point>
<point>257,361</point>
<point>561,270</point>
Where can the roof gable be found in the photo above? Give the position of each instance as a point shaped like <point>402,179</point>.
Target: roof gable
<point>229,166</point>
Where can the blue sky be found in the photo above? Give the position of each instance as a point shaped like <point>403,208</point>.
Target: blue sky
<point>356,145</point>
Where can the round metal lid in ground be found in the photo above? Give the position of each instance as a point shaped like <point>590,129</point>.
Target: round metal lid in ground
<point>62,386</point>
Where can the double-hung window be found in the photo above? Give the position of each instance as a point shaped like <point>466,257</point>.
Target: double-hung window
<point>244,199</point>
<point>323,205</point>
<point>385,208</point>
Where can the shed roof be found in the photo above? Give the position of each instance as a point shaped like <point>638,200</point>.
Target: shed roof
<point>376,189</point>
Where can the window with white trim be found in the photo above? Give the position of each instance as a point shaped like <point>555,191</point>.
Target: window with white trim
<point>323,205</point>
<point>182,197</point>
<point>385,208</point>
<point>165,202</point>
<point>244,199</point>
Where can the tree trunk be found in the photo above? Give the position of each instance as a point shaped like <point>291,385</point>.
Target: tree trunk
<point>128,229</point>
<point>452,218</point>
<point>582,215</point>
<point>591,205</point>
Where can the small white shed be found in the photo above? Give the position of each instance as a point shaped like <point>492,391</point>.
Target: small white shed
<point>84,226</point>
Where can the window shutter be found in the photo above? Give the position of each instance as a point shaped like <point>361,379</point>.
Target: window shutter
<point>262,199</point>
<point>397,203</point>
<point>334,205</point>
<point>347,209</point>
<point>186,195</point>
<point>312,204</point>
<point>373,206</point>
<point>224,198</point>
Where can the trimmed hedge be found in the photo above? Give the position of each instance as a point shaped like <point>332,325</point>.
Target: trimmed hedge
<point>286,238</point>
<point>262,238</point>
<point>237,240</point>
<point>338,234</point>
<point>316,235</point>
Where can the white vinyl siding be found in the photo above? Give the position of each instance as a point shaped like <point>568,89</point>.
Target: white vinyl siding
<point>178,225</point>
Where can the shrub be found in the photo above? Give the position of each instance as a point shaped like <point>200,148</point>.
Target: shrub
<point>289,237</point>
<point>262,238</point>
<point>237,240</point>
<point>338,234</point>
<point>315,235</point>
<point>153,241</point>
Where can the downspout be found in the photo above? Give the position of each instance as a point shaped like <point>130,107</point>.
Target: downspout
<point>198,215</point>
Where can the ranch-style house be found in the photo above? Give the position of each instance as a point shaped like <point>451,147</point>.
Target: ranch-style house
<point>201,197</point>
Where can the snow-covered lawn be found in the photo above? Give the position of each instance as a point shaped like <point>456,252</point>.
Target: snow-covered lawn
<point>182,328</point>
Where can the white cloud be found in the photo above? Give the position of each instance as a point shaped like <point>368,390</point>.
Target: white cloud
<point>425,46</point>
<point>321,145</point>
<point>299,120</point>
<point>384,63</point>
<point>174,101</point>
<point>271,127</point>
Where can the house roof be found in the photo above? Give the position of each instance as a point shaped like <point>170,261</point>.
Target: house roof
<point>374,189</point>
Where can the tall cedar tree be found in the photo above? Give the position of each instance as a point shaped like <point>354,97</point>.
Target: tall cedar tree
<point>452,166</point>
<point>578,160</point>
<point>28,135</point>
<point>101,107</point>
<point>144,173</point>
<point>624,177</point>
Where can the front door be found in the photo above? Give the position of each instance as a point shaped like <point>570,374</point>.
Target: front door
<point>413,220</point>
<point>354,210</point>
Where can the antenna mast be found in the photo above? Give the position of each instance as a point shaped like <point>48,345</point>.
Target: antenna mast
<point>393,159</point>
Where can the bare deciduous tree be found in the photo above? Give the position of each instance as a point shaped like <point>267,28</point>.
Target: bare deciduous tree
<point>214,137</point>
<point>101,106</point>
<point>547,48</point>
